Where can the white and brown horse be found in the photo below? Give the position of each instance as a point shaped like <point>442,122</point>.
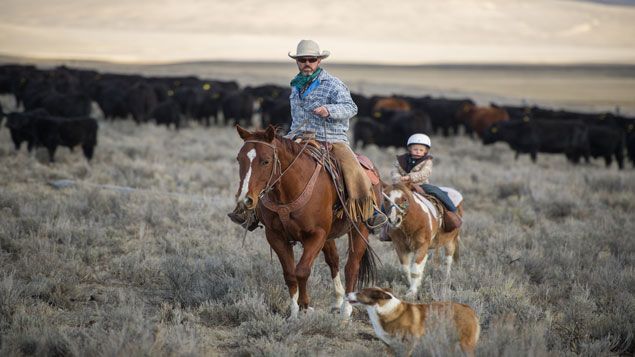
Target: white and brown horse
<point>414,225</point>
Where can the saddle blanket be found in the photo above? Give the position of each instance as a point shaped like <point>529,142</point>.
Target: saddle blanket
<point>454,195</point>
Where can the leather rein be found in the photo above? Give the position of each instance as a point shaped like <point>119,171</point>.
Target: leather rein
<point>284,209</point>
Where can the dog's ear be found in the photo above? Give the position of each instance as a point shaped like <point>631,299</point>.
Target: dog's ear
<point>387,290</point>
<point>243,133</point>
<point>379,294</point>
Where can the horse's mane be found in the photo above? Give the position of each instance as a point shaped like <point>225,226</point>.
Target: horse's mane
<point>404,188</point>
<point>287,144</point>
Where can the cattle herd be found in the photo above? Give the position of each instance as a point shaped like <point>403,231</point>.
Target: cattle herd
<point>57,104</point>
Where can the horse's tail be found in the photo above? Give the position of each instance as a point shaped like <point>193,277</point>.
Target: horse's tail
<point>367,267</point>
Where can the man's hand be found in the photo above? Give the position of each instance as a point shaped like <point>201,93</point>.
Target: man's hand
<point>321,111</point>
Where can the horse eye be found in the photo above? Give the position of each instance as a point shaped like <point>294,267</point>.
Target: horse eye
<point>265,162</point>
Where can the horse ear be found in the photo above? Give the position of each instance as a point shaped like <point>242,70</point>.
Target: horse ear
<point>243,133</point>
<point>270,133</point>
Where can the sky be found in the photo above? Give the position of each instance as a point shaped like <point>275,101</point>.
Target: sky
<point>370,31</point>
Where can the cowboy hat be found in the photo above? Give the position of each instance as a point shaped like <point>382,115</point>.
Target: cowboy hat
<point>309,48</point>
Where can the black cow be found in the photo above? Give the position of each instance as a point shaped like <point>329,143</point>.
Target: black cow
<point>606,142</point>
<point>167,113</point>
<point>40,129</point>
<point>363,105</point>
<point>630,140</point>
<point>67,105</point>
<point>532,137</point>
<point>239,107</point>
<point>444,113</point>
<point>393,129</point>
<point>21,127</point>
<point>276,112</point>
<point>141,99</point>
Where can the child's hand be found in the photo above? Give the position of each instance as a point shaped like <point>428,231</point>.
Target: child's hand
<point>405,178</point>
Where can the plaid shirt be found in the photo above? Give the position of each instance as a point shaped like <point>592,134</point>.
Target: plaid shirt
<point>332,94</point>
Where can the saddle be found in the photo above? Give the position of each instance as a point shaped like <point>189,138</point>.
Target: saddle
<point>450,220</point>
<point>321,152</point>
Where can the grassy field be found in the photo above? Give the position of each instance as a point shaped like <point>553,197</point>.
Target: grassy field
<point>547,254</point>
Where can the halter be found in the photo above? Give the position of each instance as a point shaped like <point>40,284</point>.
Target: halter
<point>401,208</point>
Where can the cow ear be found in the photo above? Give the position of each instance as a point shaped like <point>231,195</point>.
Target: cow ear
<point>270,133</point>
<point>243,133</point>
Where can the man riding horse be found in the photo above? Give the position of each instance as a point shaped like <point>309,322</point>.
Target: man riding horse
<point>321,107</point>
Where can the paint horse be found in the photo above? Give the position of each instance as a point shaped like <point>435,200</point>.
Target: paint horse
<point>414,225</point>
<point>294,196</point>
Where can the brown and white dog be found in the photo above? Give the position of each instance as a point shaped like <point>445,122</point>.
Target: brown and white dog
<point>400,324</point>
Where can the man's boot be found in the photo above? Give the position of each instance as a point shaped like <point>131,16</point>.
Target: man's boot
<point>451,221</point>
<point>377,221</point>
<point>245,218</point>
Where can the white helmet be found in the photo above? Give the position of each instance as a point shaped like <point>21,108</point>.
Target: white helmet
<point>422,139</point>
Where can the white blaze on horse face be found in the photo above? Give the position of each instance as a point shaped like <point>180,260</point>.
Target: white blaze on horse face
<point>245,187</point>
<point>394,195</point>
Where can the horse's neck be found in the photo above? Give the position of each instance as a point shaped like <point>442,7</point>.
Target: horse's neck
<point>295,177</point>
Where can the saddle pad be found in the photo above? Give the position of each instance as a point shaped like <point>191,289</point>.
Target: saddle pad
<point>455,195</point>
<point>426,205</point>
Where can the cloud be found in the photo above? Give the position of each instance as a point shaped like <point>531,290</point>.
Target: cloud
<point>454,30</point>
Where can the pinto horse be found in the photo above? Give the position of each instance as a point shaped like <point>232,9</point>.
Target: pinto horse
<point>414,228</point>
<point>294,197</point>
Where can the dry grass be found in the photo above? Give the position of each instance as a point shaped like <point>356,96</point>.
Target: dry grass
<point>547,255</point>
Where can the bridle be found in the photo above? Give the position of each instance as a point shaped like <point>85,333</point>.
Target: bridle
<point>402,208</point>
<point>277,166</point>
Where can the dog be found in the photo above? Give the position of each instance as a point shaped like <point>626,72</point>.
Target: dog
<point>400,324</point>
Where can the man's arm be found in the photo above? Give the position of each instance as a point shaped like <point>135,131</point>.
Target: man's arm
<point>341,105</point>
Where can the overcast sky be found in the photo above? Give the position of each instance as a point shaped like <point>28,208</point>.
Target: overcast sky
<point>371,31</point>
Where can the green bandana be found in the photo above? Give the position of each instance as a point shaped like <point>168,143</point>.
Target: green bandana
<point>301,81</point>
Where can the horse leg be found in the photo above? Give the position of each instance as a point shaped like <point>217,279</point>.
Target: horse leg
<point>451,251</point>
<point>313,243</point>
<point>333,261</point>
<point>356,250</point>
<point>405,259</point>
<point>284,251</point>
<point>416,270</point>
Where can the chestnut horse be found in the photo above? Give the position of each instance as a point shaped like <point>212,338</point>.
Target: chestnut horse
<point>278,172</point>
<point>414,228</point>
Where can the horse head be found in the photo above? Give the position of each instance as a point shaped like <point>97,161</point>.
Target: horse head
<point>397,200</point>
<point>258,160</point>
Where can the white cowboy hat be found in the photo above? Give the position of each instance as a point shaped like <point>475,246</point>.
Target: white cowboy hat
<point>309,48</point>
